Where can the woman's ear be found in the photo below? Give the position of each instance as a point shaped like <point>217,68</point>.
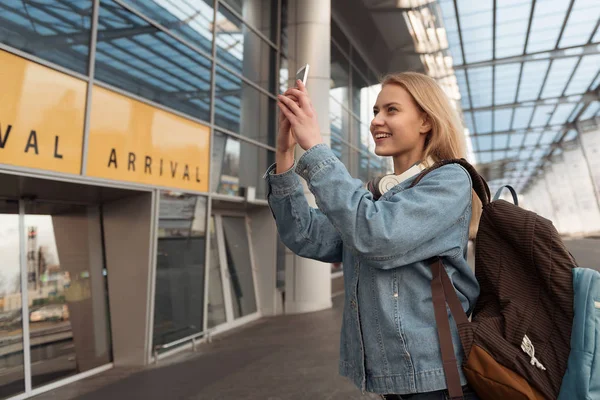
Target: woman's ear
<point>425,124</point>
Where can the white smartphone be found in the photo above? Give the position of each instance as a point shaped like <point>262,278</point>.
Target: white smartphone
<point>302,74</point>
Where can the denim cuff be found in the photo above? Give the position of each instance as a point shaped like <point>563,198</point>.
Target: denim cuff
<point>313,160</point>
<point>281,184</point>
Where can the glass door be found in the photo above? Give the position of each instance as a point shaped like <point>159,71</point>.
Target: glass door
<point>12,363</point>
<point>232,291</point>
<point>53,299</point>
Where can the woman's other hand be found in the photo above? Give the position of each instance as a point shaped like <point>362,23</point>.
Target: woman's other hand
<point>286,143</point>
<point>298,110</point>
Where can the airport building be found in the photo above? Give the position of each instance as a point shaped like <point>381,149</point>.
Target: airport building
<point>134,135</point>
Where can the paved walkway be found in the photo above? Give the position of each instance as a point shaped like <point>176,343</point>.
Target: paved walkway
<point>281,358</point>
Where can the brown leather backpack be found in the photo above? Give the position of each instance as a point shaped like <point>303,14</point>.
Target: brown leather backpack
<point>518,340</point>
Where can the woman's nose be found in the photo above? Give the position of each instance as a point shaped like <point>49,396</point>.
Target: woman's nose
<point>377,121</point>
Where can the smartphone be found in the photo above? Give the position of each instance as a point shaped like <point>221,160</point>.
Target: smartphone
<point>302,74</point>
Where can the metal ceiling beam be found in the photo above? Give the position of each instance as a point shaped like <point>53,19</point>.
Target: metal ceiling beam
<point>588,96</point>
<point>587,49</point>
<point>515,131</point>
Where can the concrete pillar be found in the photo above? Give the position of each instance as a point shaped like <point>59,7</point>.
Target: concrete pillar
<point>308,282</point>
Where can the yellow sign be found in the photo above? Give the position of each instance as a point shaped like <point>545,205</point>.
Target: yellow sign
<point>132,141</point>
<point>41,116</point>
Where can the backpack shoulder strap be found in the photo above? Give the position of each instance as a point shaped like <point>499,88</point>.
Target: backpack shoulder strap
<point>479,184</point>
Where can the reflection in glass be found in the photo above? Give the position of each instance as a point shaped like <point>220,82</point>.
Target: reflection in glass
<point>239,266</point>
<point>68,312</point>
<point>244,51</point>
<point>179,297</point>
<point>150,63</point>
<point>56,31</point>
<point>363,169</point>
<point>283,75</point>
<point>192,21</point>
<point>227,156</point>
<point>340,77</point>
<point>359,93</point>
<point>216,303</point>
<point>12,377</point>
<point>242,109</point>
<point>259,14</point>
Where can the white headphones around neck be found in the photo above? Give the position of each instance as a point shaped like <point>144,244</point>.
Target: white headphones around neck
<point>380,185</point>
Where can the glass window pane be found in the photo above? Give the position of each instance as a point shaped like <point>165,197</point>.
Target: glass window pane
<point>54,31</point>
<point>505,89</point>
<point>476,26</point>
<point>561,113</point>
<point>522,117</point>
<point>150,63</point>
<point>179,293</point>
<point>339,118</point>
<point>531,138</point>
<point>548,137</point>
<point>262,15</point>
<point>512,20</point>
<point>484,157</point>
<point>548,19</point>
<point>541,115</point>
<point>227,176</point>
<point>480,83</point>
<point>283,36</point>
<point>341,150</point>
<point>532,79</point>
<point>483,121</point>
<point>244,51</point>
<point>500,141</point>
<point>502,118</point>
<point>558,76</point>
<point>192,21</point>
<point>363,168</point>
<point>585,73</point>
<point>461,80</point>
<point>360,94</point>
<point>216,299</point>
<point>239,266</point>
<point>361,135</point>
<point>484,143</point>
<point>283,75</point>
<point>12,374</point>
<point>516,139</point>
<point>591,111</point>
<point>583,19</point>
<point>67,286</point>
<point>451,26</point>
<point>243,109</point>
<point>340,77</point>
<point>340,38</point>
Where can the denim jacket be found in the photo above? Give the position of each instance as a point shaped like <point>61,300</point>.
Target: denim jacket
<point>389,341</point>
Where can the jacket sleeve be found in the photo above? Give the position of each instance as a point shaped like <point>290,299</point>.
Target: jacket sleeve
<point>399,230</point>
<point>303,229</point>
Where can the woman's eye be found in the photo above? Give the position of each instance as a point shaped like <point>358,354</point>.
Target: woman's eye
<point>392,109</point>
<point>375,112</point>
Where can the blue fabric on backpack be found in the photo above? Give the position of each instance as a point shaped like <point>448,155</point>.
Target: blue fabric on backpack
<point>582,379</point>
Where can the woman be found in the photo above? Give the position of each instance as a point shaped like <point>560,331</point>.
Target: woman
<point>389,343</point>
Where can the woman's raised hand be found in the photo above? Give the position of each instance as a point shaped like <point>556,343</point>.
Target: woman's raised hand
<point>299,112</point>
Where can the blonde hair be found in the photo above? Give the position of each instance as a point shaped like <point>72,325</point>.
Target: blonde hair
<point>446,140</point>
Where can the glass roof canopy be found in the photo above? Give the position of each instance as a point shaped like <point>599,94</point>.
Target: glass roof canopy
<point>527,70</point>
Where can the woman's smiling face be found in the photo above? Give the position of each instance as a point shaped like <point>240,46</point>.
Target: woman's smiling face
<point>398,126</point>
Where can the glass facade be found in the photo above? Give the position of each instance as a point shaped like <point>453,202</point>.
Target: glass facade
<point>351,98</point>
